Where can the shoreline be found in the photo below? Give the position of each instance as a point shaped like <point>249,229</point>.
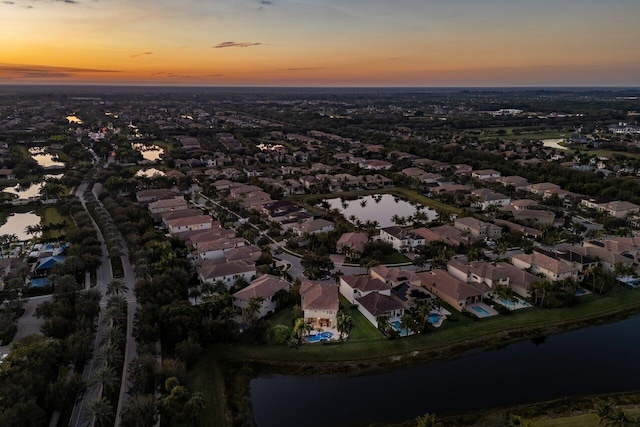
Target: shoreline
<point>245,362</point>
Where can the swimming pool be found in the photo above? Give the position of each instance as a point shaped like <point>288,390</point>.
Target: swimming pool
<point>39,282</point>
<point>507,302</point>
<point>433,318</point>
<point>581,291</point>
<point>322,336</point>
<point>480,310</point>
<point>397,326</point>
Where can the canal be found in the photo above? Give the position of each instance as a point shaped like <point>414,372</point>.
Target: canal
<point>594,360</point>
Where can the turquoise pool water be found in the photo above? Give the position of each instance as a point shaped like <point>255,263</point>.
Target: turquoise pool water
<point>322,336</point>
<point>433,318</point>
<point>481,311</point>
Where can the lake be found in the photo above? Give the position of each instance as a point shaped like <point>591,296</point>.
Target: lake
<point>149,173</point>
<point>554,143</point>
<point>594,360</point>
<point>378,207</point>
<point>17,222</point>
<point>74,119</point>
<point>151,152</point>
<point>44,159</point>
<point>25,193</point>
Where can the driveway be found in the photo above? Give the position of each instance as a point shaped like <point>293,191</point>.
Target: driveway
<point>28,323</point>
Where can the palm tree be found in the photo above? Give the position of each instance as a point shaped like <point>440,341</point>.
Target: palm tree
<point>116,287</point>
<point>106,376</point>
<point>383,323</point>
<point>254,306</point>
<point>109,354</point>
<point>301,328</point>
<point>101,411</point>
<point>426,420</point>
<point>345,324</point>
<point>407,323</point>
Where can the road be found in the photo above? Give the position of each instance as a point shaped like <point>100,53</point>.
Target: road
<point>104,276</point>
<point>28,323</point>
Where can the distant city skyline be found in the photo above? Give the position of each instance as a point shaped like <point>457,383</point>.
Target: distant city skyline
<point>321,42</point>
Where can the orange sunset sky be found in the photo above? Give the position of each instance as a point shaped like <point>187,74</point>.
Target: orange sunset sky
<point>321,42</point>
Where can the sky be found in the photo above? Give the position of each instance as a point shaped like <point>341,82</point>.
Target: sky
<point>321,42</point>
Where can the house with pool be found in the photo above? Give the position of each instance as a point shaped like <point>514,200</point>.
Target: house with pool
<point>354,287</point>
<point>492,275</point>
<point>320,304</point>
<point>453,291</point>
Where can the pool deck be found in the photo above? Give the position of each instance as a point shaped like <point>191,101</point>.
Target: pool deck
<point>490,311</point>
<point>516,305</point>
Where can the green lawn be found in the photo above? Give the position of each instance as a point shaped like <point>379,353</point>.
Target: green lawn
<point>50,215</point>
<point>206,377</point>
<point>283,317</point>
<point>363,330</point>
<point>416,197</point>
<point>395,258</point>
<point>454,338</point>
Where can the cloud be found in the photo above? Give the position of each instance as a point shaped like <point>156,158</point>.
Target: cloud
<point>236,44</point>
<point>264,4</point>
<point>214,75</point>
<point>9,2</point>
<point>20,71</point>
<point>300,69</point>
<point>141,54</point>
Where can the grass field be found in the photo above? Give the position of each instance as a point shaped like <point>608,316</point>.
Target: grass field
<point>584,420</point>
<point>454,338</point>
<point>519,133</point>
<point>206,377</point>
<point>363,330</point>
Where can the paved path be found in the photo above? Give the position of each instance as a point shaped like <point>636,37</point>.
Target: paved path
<point>28,323</point>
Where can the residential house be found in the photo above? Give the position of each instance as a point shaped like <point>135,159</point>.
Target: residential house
<point>492,275</point>
<point>353,287</point>
<point>153,195</point>
<point>619,209</point>
<point>375,304</point>
<point>485,174</point>
<point>352,244</point>
<point>313,226</point>
<point>451,290</point>
<point>191,223</point>
<point>227,272</point>
<point>535,215</point>
<point>7,174</point>
<point>402,240</point>
<point>165,205</point>
<point>216,249</point>
<point>320,304</point>
<point>263,288</point>
<point>549,267</point>
<point>477,228</point>
<point>393,276</point>
<point>485,198</point>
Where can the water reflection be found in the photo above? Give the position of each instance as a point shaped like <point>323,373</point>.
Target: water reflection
<point>377,207</point>
<point>17,224</point>
<point>151,152</point>
<point>149,173</point>
<point>44,159</point>
<point>594,360</point>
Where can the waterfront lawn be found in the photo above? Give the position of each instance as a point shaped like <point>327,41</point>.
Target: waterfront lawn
<point>453,337</point>
<point>50,215</point>
<point>206,377</point>
<point>363,330</point>
<point>584,420</point>
<point>283,317</point>
<point>416,197</point>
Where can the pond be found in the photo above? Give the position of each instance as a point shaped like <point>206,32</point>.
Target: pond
<point>25,192</point>
<point>149,173</point>
<point>554,143</point>
<point>74,119</point>
<point>45,159</point>
<point>150,153</point>
<point>17,222</point>
<point>378,207</point>
<point>595,360</point>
